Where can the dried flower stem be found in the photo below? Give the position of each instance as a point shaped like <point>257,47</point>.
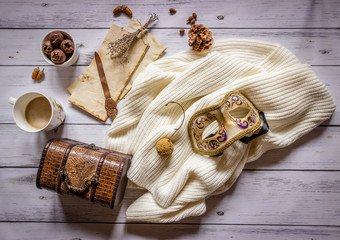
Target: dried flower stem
<point>120,48</point>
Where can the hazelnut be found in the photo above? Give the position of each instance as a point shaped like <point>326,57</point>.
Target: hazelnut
<point>181,31</point>
<point>58,56</point>
<point>172,11</point>
<point>67,46</point>
<point>56,38</point>
<point>47,47</point>
<point>189,19</point>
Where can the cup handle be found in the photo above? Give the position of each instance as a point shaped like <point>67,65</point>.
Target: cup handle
<point>12,100</point>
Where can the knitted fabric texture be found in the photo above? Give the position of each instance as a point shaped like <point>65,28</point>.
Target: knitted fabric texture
<point>292,97</point>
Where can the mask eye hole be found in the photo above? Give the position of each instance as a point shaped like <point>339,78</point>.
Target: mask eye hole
<point>210,130</point>
<point>240,112</point>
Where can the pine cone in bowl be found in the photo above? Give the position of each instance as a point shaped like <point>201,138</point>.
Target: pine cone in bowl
<point>200,37</point>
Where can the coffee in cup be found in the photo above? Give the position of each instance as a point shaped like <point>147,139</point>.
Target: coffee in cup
<point>34,112</point>
<point>38,112</point>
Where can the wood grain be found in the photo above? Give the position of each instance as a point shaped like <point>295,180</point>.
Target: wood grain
<point>99,231</point>
<point>290,197</point>
<point>308,153</point>
<point>16,80</point>
<point>312,46</point>
<point>290,193</point>
<point>237,14</point>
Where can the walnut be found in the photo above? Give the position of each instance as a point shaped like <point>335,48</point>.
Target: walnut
<point>200,37</point>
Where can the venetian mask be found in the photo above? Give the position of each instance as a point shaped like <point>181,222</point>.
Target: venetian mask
<point>235,118</point>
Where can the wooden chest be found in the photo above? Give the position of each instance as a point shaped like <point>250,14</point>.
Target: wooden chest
<point>91,172</point>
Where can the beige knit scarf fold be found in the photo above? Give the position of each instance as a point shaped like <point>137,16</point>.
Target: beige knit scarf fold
<point>292,97</point>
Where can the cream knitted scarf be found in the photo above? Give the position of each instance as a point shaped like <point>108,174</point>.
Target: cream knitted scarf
<point>292,97</point>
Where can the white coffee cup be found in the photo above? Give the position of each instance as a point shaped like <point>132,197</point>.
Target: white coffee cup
<point>56,112</point>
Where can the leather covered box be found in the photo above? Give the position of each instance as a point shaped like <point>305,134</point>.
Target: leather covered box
<point>77,168</point>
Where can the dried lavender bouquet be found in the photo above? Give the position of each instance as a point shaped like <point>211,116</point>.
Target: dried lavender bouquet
<point>120,47</point>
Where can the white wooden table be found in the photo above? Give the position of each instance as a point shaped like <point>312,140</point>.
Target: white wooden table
<point>291,193</point>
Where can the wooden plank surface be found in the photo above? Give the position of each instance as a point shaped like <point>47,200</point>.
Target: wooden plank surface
<point>16,80</point>
<point>290,197</point>
<point>290,193</point>
<point>98,231</point>
<point>311,46</point>
<point>309,152</point>
<point>237,14</point>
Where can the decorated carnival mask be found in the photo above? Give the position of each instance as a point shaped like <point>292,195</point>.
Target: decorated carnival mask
<point>237,119</point>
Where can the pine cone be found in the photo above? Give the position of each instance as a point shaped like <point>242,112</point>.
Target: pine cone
<point>200,37</point>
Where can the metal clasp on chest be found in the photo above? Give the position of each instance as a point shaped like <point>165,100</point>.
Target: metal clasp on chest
<point>91,146</point>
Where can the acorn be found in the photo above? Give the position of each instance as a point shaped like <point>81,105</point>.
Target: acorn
<point>40,74</point>
<point>117,11</point>
<point>123,8</point>
<point>56,38</point>
<point>47,47</point>
<point>127,10</point>
<point>35,72</point>
<point>58,56</point>
<point>67,46</point>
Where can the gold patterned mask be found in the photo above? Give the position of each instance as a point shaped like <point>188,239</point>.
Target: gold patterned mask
<point>237,119</point>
